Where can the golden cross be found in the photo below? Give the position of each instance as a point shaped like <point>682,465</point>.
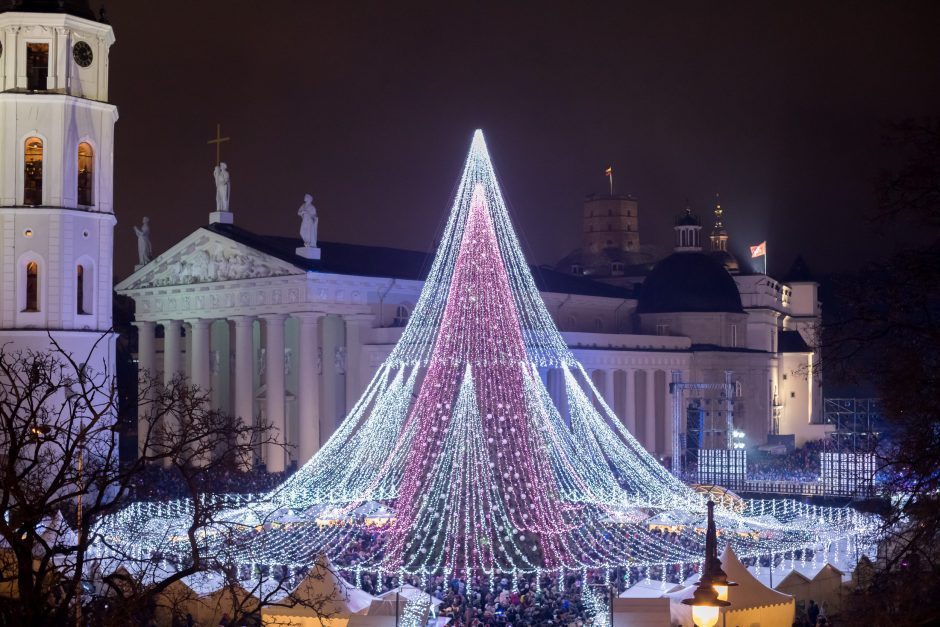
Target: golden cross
<point>218,143</point>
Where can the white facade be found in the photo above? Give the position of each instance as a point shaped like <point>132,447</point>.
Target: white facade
<point>273,338</point>
<point>56,214</point>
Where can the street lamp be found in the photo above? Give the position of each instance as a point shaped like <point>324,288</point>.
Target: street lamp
<point>706,601</point>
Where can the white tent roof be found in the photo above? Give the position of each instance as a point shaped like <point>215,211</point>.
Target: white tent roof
<point>205,583</point>
<point>749,592</point>
<point>411,593</point>
<point>648,589</point>
<point>323,583</point>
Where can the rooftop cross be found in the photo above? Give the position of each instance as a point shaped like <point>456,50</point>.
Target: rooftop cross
<point>218,143</point>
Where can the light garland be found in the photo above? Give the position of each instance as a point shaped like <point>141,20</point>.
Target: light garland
<point>458,456</point>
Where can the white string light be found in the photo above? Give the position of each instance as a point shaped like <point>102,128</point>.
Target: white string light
<point>458,459</point>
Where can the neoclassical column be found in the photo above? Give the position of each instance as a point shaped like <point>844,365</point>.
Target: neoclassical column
<point>308,393</point>
<point>172,357</point>
<point>199,359</point>
<point>146,369</point>
<point>172,347</point>
<point>651,411</point>
<point>671,376</point>
<point>608,391</point>
<point>355,324</point>
<point>275,455</point>
<point>244,396</point>
<point>630,417</point>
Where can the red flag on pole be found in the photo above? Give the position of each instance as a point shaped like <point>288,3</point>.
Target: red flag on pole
<point>760,250</point>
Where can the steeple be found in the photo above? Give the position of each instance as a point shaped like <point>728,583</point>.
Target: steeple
<point>719,236</point>
<point>688,230</point>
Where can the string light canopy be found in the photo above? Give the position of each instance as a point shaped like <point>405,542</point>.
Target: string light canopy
<point>459,461</point>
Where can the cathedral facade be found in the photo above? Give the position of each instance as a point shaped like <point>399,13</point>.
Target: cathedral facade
<point>277,333</point>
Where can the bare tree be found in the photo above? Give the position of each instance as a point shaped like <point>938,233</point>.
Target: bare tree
<point>60,475</point>
<point>885,333</point>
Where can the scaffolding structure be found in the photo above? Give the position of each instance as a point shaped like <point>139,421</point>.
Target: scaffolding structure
<point>856,423</point>
<point>678,389</point>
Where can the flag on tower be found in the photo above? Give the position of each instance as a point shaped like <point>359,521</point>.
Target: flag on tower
<point>760,250</point>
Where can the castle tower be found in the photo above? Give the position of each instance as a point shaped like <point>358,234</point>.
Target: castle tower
<point>610,222</point>
<point>56,165</point>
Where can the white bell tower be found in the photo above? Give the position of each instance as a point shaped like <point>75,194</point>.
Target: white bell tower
<point>56,177</point>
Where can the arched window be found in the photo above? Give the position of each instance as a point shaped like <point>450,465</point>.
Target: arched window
<point>85,288</point>
<point>401,316</point>
<point>80,290</point>
<point>86,174</point>
<point>32,286</point>
<point>32,172</point>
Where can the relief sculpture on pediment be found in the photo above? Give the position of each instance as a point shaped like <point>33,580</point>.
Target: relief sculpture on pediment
<point>205,266</point>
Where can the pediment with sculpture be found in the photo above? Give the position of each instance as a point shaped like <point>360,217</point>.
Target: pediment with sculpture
<point>206,257</point>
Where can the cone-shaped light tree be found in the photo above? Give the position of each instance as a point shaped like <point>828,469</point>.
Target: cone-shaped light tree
<point>458,448</point>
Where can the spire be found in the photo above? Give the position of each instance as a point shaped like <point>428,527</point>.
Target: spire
<point>719,237</point>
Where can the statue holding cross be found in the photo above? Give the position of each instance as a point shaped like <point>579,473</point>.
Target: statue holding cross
<point>221,173</point>
<point>222,187</point>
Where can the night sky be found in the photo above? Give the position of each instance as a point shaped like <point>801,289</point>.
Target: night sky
<point>780,107</point>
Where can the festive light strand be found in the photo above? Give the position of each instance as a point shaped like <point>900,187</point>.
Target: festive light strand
<point>459,460</point>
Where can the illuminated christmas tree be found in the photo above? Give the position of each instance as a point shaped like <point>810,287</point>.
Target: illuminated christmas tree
<point>458,452</point>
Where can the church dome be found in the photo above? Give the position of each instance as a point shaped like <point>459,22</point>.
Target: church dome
<point>78,8</point>
<point>689,282</point>
<point>729,261</point>
<point>688,219</point>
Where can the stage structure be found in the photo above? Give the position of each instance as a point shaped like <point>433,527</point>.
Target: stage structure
<point>680,417</point>
<point>456,461</point>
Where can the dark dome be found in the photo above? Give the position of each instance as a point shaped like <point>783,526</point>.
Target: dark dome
<point>78,8</point>
<point>729,261</point>
<point>689,282</point>
<point>688,219</point>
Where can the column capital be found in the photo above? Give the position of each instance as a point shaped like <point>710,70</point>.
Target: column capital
<point>273,317</point>
<point>242,320</point>
<point>170,321</point>
<point>199,321</point>
<point>308,316</point>
<point>144,324</point>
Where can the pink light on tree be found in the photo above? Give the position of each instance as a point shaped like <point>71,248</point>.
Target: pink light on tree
<point>459,450</point>
<point>473,442</point>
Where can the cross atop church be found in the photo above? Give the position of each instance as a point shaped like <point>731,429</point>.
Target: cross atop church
<point>218,143</point>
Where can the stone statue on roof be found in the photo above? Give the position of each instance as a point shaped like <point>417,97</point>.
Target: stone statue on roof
<point>222,187</point>
<point>308,222</point>
<point>144,248</point>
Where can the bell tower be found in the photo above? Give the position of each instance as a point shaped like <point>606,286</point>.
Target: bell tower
<point>56,166</point>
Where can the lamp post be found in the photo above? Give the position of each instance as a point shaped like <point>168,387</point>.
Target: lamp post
<point>706,601</point>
